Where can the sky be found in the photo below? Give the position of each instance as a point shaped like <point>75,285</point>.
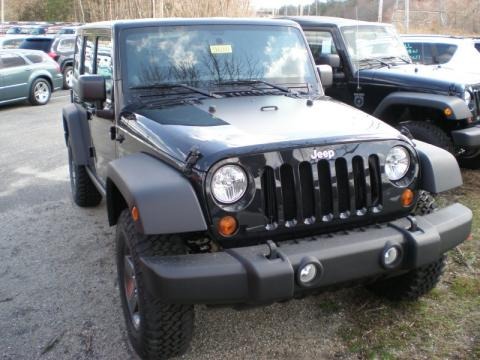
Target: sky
<point>278,3</point>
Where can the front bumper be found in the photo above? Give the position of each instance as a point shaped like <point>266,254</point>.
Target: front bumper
<point>249,275</point>
<point>467,138</point>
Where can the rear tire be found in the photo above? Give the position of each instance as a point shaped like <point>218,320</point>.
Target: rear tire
<point>155,329</point>
<point>84,192</point>
<point>67,77</point>
<point>429,133</point>
<point>40,92</point>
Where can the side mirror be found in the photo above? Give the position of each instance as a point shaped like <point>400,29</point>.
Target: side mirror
<point>326,75</point>
<point>91,88</point>
<point>329,59</point>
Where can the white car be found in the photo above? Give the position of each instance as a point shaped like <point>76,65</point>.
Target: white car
<point>451,52</point>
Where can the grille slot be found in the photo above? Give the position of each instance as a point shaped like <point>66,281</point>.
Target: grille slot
<point>325,185</point>
<point>360,185</point>
<point>315,192</point>
<point>341,172</point>
<point>288,192</point>
<point>308,190</point>
<point>269,195</point>
<point>375,180</point>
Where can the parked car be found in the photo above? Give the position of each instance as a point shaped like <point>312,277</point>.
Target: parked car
<point>11,41</point>
<point>16,30</point>
<point>60,49</point>
<point>450,52</point>
<point>373,71</point>
<point>233,180</point>
<point>42,43</point>
<point>28,75</point>
<point>37,30</point>
<point>66,30</point>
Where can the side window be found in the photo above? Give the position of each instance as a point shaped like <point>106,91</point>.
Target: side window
<point>11,61</point>
<point>77,57</point>
<point>444,52</point>
<point>420,52</point>
<point>89,56</point>
<point>321,43</point>
<point>66,45</point>
<point>36,59</point>
<point>104,62</point>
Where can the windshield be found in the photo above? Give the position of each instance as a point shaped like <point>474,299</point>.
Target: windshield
<point>207,56</point>
<point>367,42</point>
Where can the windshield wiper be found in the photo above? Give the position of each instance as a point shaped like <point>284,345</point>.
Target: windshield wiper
<point>396,57</point>
<point>172,86</point>
<point>370,60</point>
<point>254,82</point>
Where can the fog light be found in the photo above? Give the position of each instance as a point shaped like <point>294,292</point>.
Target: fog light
<point>390,256</point>
<point>308,273</point>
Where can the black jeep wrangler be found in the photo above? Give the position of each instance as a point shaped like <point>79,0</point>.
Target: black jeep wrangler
<point>227,187</point>
<point>373,71</point>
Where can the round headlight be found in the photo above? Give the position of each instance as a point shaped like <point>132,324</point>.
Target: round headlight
<point>229,184</point>
<point>397,163</point>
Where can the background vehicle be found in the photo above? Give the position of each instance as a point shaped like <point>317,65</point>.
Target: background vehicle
<point>226,187</point>
<point>450,52</point>
<point>60,49</point>
<point>372,71</point>
<point>16,30</point>
<point>27,75</point>
<point>11,42</point>
<point>37,30</point>
<point>66,30</point>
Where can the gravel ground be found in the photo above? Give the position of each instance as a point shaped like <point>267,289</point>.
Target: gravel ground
<point>58,293</point>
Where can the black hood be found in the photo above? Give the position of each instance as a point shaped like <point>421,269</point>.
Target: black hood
<point>221,128</point>
<point>420,78</point>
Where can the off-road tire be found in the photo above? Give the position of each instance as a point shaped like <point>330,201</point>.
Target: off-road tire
<point>429,133</point>
<point>426,203</point>
<point>165,330</point>
<point>418,282</point>
<point>68,69</point>
<point>412,285</point>
<point>470,161</point>
<point>44,95</point>
<point>84,192</point>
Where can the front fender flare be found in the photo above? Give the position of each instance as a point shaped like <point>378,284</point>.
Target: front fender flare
<point>459,109</point>
<point>165,199</point>
<point>438,168</point>
<point>77,133</point>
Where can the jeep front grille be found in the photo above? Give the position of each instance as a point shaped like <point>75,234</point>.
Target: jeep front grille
<point>321,191</point>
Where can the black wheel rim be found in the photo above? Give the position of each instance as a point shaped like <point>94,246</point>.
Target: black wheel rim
<point>130,289</point>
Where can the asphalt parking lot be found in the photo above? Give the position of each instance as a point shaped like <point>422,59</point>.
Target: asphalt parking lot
<point>59,296</point>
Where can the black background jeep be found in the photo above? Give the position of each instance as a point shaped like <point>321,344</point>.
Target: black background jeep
<point>225,185</point>
<point>373,72</point>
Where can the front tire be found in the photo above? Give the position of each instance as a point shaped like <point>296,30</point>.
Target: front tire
<point>40,92</point>
<point>417,282</point>
<point>155,329</point>
<point>470,160</point>
<point>429,133</point>
<point>84,192</point>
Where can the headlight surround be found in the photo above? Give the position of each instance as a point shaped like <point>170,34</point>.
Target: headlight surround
<point>397,163</point>
<point>467,97</point>
<point>229,183</point>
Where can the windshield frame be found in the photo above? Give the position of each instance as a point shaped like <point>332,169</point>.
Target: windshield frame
<point>315,89</point>
<point>354,63</point>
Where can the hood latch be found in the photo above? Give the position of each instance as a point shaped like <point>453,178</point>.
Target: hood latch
<point>192,157</point>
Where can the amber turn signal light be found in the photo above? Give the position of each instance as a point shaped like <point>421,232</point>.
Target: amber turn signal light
<point>447,111</point>
<point>407,197</point>
<point>227,226</point>
<point>135,214</point>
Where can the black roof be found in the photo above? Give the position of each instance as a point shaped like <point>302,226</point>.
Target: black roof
<point>328,21</point>
<point>186,21</point>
